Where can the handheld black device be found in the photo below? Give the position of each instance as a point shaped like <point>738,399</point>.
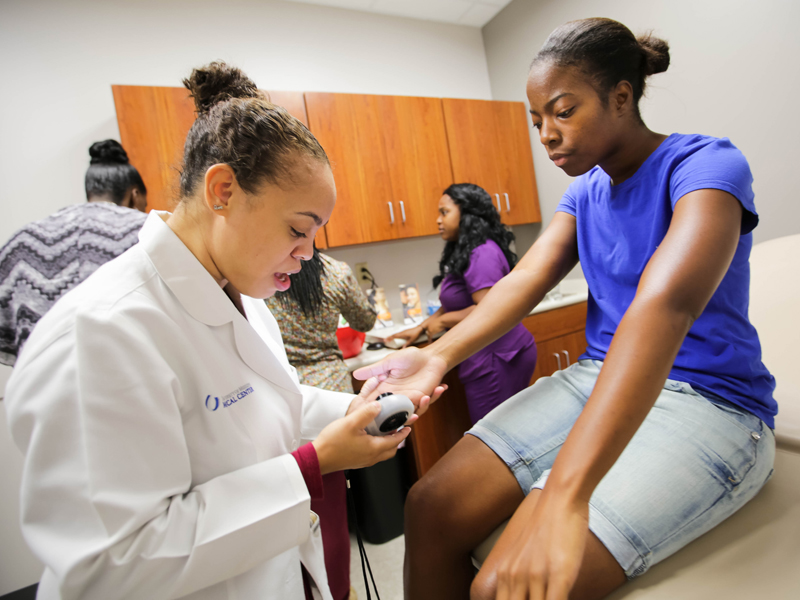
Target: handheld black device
<point>395,411</point>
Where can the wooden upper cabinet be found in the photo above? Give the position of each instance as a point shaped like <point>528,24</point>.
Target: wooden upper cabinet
<point>390,161</point>
<point>349,128</point>
<point>153,123</point>
<point>490,146</point>
<point>392,156</point>
<point>471,136</point>
<point>416,146</point>
<point>517,179</point>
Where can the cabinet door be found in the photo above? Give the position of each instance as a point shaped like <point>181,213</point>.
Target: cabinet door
<point>560,337</point>
<point>572,346</point>
<point>519,200</point>
<point>153,123</point>
<point>391,163</point>
<point>558,353</point>
<point>490,146</point>
<point>472,137</point>
<point>349,128</point>
<point>546,361</point>
<point>416,147</point>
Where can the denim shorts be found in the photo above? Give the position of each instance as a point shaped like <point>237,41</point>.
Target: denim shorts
<point>693,462</point>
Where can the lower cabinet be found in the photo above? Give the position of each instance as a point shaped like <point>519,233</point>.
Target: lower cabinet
<point>560,339</point>
<point>558,353</point>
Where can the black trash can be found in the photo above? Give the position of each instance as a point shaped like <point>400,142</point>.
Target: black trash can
<point>379,493</point>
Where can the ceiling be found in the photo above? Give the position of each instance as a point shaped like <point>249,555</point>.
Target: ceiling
<point>474,13</point>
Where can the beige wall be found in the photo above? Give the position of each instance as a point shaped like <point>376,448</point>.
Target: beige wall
<point>62,57</point>
<point>734,73</point>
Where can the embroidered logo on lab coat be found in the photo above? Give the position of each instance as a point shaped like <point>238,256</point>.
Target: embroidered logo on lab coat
<point>214,402</point>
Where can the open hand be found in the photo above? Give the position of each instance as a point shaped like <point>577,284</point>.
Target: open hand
<point>344,444</point>
<point>368,394</point>
<point>543,562</point>
<point>412,372</point>
<point>434,326</point>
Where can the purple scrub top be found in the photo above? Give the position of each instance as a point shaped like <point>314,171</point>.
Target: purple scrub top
<point>505,366</point>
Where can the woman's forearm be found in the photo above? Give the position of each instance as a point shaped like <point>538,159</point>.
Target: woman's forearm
<point>677,284</point>
<point>453,318</point>
<point>506,304</point>
<point>514,296</point>
<point>440,311</point>
<point>637,364</point>
<point>502,308</point>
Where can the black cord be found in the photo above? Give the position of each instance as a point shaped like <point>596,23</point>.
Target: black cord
<point>361,551</point>
<point>367,275</point>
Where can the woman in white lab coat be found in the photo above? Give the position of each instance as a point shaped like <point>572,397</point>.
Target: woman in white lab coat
<point>166,437</point>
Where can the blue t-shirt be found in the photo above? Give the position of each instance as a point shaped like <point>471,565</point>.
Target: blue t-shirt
<point>619,229</point>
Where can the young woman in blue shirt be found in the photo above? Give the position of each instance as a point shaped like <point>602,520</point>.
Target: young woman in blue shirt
<point>663,428</point>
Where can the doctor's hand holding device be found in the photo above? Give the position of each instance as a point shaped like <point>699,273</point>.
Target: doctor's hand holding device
<point>368,434</point>
<point>170,450</point>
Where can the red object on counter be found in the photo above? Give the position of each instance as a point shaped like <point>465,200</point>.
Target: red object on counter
<point>350,341</point>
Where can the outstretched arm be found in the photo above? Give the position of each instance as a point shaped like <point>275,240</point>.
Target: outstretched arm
<point>553,255</point>
<point>439,321</point>
<point>673,291</point>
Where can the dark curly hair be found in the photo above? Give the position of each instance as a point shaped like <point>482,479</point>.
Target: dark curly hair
<point>479,222</point>
<point>110,174</point>
<point>237,125</point>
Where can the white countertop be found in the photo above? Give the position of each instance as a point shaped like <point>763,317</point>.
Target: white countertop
<point>572,291</point>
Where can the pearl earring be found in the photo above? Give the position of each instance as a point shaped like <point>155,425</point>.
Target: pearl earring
<point>218,207</point>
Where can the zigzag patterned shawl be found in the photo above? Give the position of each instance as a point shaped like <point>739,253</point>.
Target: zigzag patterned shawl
<point>47,258</point>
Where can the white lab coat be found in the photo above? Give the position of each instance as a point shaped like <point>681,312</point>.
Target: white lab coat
<point>157,424</point>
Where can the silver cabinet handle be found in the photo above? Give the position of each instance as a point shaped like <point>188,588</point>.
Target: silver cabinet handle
<point>391,212</point>
<point>566,354</point>
<point>508,204</point>
<point>403,210</point>
<point>558,358</point>
<point>498,202</point>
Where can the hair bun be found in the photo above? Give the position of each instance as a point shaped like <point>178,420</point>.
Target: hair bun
<point>218,82</point>
<point>108,152</point>
<point>656,53</point>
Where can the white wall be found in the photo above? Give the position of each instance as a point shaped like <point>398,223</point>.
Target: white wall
<point>733,74</point>
<point>62,57</point>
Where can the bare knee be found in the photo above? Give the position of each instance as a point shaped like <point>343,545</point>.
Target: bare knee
<point>429,502</point>
<point>444,506</point>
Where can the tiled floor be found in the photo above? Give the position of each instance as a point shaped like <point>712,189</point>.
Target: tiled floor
<point>386,561</point>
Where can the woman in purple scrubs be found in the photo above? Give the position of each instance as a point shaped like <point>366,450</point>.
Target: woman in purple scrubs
<point>476,256</point>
